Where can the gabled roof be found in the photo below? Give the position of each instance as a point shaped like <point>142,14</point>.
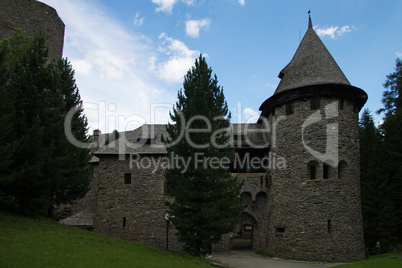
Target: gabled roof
<point>146,140</point>
<point>312,64</point>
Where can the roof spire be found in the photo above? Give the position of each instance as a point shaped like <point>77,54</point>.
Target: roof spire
<point>310,24</point>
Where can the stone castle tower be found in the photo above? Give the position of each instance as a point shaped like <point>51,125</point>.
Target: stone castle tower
<point>31,16</point>
<point>314,208</point>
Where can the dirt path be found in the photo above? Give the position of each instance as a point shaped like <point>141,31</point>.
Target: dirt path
<point>248,259</point>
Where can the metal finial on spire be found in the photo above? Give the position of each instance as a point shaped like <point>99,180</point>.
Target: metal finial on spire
<point>310,24</point>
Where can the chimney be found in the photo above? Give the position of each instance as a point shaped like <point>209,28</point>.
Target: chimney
<point>96,138</point>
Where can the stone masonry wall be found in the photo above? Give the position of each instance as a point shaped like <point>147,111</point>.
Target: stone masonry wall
<point>315,219</point>
<point>32,16</point>
<point>133,211</point>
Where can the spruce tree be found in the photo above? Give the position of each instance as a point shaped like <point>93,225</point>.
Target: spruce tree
<point>205,198</point>
<point>39,167</point>
<point>392,131</point>
<point>379,215</point>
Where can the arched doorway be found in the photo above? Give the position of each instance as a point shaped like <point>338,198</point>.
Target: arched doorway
<point>244,233</point>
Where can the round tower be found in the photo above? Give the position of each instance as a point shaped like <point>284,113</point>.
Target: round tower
<point>314,202</point>
<point>32,16</point>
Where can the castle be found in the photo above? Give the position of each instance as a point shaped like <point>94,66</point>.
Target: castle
<point>304,205</point>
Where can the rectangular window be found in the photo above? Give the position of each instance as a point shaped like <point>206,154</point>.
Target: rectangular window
<point>329,226</point>
<point>127,178</point>
<point>280,230</point>
<point>341,104</point>
<point>315,103</point>
<point>312,173</point>
<point>325,174</point>
<point>124,221</point>
<point>289,108</point>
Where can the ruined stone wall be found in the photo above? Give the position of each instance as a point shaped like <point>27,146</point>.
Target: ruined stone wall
<point>315,219</point>
<point>32,16</point>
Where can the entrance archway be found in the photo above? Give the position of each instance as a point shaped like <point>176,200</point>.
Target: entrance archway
<point>243,235</point>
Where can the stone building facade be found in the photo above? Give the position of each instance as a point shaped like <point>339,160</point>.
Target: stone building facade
<point>32,16</point>
<point>305,204</point>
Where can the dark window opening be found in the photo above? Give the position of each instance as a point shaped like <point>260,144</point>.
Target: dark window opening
<point>315,103</point>
<point>325,170</point>
<point>124,221</point>
<point>280,230</point>
<point>127,178</point>
<point>341,104</point>
<point>261,180</point>
<point>289,108</point>
<point>147,141</point>
<point>312,172</point>
<point>243,161</point>
<point>329,225</point>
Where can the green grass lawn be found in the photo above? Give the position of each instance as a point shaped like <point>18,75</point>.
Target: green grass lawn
<point>380,261</point>
<point>26,242</point>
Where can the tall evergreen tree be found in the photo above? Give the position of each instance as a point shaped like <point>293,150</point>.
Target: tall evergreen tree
<point>40,167</point>
<point>392,132</point>
<point>379,216</point>
<point>205,198</point>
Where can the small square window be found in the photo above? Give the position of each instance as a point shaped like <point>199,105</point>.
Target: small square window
<point>127,178</point>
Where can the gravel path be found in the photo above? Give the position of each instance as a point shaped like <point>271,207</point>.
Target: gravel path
<point>248,259</point>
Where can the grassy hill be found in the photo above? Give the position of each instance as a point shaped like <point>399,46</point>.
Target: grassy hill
<point>26,242</point>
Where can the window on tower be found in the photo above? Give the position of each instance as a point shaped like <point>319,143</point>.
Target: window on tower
<point>289,108</point>
<point>312,170</point>
<point>315,103</point>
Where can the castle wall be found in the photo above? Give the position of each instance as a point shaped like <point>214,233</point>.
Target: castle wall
<point>133,211</point>
<point>32,16</point>
<point>315,219</point>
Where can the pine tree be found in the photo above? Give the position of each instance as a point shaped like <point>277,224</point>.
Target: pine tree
<point>379,215</point>
<point>39,167</point>
<point>205,199</point>
<point>392,132</point>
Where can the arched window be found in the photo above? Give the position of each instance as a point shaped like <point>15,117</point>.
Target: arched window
<point>312,170</point>
<point>261,200</point>
<point>341,169</point>
<point>246,197</point>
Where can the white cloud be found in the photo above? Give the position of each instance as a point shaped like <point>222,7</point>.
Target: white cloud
<point>242,2</point>
<point>179,59</point>
<point>193,27</point>
<point>189,2</point>
<point>399,54</point>
<point>251,115</point>
<point>137,20</point>
<point>113,68</point>
<point>332,31</point>
<point>165,5</point>
<point>270,85</point>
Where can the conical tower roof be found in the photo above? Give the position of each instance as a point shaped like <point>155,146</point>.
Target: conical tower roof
<point>312,64</point>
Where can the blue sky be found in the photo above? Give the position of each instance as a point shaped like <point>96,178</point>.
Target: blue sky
<point>130,56</point>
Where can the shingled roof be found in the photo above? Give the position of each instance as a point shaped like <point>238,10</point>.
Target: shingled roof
<point>146,139</point>
<point>312,64</point>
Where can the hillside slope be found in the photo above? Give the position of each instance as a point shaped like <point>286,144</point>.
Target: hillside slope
<point>26,242</point>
